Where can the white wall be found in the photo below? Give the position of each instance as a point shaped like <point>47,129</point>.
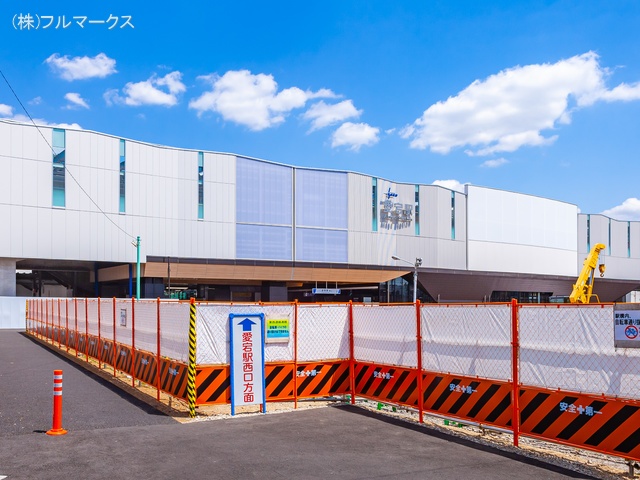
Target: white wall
<point>513,232</point>
<point>12,313</point>
<point>161,199</point>
<point>494,230</point>
<point>434,244</point>
<point>622,239</point>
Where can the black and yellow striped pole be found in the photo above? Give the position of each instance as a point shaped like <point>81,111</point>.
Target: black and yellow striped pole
<point>191,371</point>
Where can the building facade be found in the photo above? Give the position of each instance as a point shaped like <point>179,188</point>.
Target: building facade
<point>226,227</point>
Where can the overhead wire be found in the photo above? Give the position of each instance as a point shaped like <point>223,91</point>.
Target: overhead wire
<point>106,215</point>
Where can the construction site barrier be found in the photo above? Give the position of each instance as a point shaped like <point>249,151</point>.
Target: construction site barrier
<point>56,428</point>
<point>542,371</point>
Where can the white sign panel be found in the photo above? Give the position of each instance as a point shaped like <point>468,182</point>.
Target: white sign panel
<point>626,326</point>
<point>247,360</point>
<point>325,291</point>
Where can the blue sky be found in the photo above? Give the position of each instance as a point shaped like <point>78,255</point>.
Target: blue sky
<point>536,97</point>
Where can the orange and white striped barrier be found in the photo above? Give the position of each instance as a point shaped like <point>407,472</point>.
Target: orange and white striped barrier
<point>57,429</point>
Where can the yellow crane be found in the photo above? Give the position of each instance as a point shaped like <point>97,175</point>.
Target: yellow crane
<point>583,288</point>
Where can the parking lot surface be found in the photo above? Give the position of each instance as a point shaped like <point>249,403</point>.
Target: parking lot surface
<point>113,435</point>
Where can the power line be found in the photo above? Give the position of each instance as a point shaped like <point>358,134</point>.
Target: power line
<point>106,215</point>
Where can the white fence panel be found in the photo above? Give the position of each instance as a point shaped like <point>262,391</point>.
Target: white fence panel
<point>323,332</point>
<point>213,332</point>
<point>473,340</point>
<point>571,348</point>
<point>147,326</point>
<point>174,330</point>
<point>385,334</point>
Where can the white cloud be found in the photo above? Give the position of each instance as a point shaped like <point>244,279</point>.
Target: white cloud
<point>76,100</point>
<point>80,68</point>
<point>513,108</point>
<point>322,115</point>
<point>495,163</point>
<point>355,135</point>
<point>252,100</point>
<point>622,92</point>
<point>35,101</point>
<point>628,210</point>
<point>156,90</point>
<point>451,185</point>
<point>6,110</point>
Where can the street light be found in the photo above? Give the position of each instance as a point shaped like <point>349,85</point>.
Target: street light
<point>417,263</point>
<point>136,243</point>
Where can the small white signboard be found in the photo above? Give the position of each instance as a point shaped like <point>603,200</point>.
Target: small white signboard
<point>325,291</point>
<point>626,325</point>
<point>247,360</point>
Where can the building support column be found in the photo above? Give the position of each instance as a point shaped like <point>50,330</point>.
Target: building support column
<point>7,277</point>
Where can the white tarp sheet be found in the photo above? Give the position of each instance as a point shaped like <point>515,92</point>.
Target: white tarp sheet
<point>385,334</point>
<point>323,332</point>
<point>473,340</point>
<point>12,312</point>
<point>213,332</point>
<point>571,348</point>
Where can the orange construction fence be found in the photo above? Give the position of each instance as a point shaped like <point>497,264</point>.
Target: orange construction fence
<point>502,366</point>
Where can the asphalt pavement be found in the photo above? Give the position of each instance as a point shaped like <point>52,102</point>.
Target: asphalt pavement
<point>113,435</point>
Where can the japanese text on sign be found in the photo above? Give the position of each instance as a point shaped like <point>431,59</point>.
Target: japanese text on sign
<point>626,326</point>
<point>28,21</point>
<point>580,410</point>
<point>247,366</point>
<point>461,389</point>
<point>277,330</point>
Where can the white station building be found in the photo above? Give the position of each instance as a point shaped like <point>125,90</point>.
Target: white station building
<point>226,227</point>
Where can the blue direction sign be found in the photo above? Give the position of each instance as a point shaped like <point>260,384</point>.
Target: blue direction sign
<point>247,360</point>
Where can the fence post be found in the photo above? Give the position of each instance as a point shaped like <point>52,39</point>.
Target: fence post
<point>86,328</point>
<point>419,353</point>
<point>352,361</point>
<point>295,353</point>
<point>99,335</point>
<point>515,364</point>
<point>75,335</point>
<point>59,325</point>
<point>46,320</point>
<point>114,347</point>
<point>191,371</point>
<point>66,323</point>
<point>133,342</point>
<point>158,355</point>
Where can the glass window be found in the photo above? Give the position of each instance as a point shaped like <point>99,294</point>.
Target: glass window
<point>588,233</point>
<point>264,192</point>
<point>262,242</point>
<point>59,149</point>
<point>321,199</point>
<point>122,176</point>
<point>628,239</point>
<point>453,215</point>
<point>317,245</point>
<point>374,204</point>
<point>200,185</point>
